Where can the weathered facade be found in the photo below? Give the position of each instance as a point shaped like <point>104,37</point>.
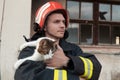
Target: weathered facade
<point>17,17</point>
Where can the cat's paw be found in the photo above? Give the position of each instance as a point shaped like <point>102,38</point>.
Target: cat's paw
<point>50,54</point>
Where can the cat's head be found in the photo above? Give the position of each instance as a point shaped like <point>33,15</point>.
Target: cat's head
<point>45,45</point>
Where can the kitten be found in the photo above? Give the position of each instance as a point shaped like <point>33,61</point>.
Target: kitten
<point>45,48</point>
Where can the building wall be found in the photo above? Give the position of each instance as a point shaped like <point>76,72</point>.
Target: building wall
<point>15,23</point>
<point>1,9</point>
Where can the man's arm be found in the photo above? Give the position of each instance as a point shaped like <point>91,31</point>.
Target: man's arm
<point>84,64</point>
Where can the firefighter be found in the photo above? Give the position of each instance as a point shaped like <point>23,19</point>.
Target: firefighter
<point>70,62</point>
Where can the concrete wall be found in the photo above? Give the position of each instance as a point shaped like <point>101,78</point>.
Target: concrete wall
<point>1,9</point>
<point>14,24</point>
<point>110,66</point>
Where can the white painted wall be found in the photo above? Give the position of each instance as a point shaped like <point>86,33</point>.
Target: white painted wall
<point>16,23</point>
<point>1,10</point>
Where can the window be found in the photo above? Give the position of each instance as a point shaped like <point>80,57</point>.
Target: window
<point>115,34</point>
<point>97,29</point>
<point>80,33</point>
<point>104,12</point>
<point>104,34</point>
<point>73,8</point>
<point>109,12</point>
<point>116,13</point>
<point>86,34</point>
<point>80,10</point>
<point>73,32</point>
<point>86,11</point>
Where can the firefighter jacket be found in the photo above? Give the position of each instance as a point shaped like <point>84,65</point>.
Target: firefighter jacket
<point>80,65</point>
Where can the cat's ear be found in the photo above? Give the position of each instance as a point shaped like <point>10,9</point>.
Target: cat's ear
<point>42,42</point>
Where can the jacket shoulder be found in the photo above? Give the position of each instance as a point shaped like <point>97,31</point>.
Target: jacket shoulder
<point>26,52</point>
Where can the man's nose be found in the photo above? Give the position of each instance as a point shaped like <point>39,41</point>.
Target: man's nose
<point>62,24</point>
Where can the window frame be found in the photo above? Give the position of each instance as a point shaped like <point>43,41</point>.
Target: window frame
<point>96,20</point>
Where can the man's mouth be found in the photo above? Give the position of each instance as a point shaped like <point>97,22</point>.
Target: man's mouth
<point>61,32</point>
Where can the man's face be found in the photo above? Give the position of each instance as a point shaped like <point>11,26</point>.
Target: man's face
<point>55,27</point>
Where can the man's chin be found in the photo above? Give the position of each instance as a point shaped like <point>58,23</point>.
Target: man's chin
<point>60,36</point>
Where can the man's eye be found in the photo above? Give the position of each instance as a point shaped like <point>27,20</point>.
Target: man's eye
<point>57,21</point>
<point>64,22</point>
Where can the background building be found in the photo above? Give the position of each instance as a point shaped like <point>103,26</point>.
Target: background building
<point>94,25</point>
<point>94,22</point>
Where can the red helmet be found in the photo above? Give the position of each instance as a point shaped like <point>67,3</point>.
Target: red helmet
<point>46,9</point>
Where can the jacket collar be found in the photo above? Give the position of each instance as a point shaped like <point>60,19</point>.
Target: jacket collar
<point>66,46</point>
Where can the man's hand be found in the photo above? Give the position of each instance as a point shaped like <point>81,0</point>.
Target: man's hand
<point>82,78</point>
<point>58,60</point>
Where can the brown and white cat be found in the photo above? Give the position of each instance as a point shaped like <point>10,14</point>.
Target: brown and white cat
<point>44,50</point>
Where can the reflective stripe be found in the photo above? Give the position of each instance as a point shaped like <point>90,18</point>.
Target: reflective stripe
<point>60,74</point>
<point>64,72</point>
<point>88,65</point>
<point>55,74</point>
<point>40,13</point>
<point>91,68</point>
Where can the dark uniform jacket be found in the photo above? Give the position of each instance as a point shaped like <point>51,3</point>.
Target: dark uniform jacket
<point>80,64</point>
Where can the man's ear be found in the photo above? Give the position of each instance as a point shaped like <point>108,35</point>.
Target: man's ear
<point>45,28</point>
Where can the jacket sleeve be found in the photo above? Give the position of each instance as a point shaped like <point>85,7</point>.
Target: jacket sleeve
<point>29,69</point>
<point>84,64</point>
